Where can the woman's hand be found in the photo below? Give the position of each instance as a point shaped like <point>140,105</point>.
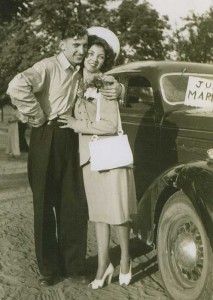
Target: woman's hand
<point>68,121</point>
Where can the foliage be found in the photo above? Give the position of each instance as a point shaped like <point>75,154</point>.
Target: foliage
<point>194,41</point>
<point>30,30</point>
<point>140,30</point>
<point>19,49</point>
<point>10,8</point>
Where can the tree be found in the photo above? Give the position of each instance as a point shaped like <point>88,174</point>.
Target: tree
<point>10,8</point>
<point>12,15</point>
<point>194,41</point>
<point>32,29</point>
<point>54,15</point>
<point>141,31</point>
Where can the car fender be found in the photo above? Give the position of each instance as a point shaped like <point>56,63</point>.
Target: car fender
<point>194,179</point>
<point>152,202</point>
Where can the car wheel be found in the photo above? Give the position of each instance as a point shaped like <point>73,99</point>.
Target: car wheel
<point>184,253</point>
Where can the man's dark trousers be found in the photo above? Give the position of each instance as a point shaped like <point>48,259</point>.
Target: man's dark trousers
<point>22,139</point>
<point>60,210</point>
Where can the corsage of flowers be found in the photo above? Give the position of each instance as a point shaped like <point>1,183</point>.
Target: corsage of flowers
<point>90,89</point>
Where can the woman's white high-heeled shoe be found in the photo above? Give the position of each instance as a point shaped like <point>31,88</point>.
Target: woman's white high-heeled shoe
<point>99,283</point>
<point>124,279</point>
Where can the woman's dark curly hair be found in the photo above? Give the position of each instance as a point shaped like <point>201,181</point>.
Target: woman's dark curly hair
<point>109,54</point>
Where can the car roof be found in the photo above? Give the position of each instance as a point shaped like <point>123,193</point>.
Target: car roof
<point>163,67</point>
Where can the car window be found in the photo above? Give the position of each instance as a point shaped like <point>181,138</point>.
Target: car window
<point>139,94</point>
<point>174,87</point>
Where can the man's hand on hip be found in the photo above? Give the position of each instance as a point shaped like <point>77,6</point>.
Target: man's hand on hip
<point>37,121</point>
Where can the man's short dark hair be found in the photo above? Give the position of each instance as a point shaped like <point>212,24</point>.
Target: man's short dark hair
<point>75,30</point>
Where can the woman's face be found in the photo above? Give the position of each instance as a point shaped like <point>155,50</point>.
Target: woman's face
<point>94,59</point>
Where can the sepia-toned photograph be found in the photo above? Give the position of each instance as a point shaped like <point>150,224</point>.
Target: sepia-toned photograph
<point>106,150</point>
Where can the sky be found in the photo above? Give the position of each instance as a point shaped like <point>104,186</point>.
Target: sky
<point>175,9</point>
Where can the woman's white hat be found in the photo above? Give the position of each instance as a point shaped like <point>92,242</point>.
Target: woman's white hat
<point>108,36</point>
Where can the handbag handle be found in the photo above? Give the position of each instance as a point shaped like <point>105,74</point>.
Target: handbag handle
<point>120,129</point>
<point>98,115</point>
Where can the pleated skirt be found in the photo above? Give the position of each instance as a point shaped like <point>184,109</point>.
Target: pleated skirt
<point>111,195</point>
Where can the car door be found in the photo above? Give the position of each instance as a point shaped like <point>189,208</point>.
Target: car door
<point>138,120</point>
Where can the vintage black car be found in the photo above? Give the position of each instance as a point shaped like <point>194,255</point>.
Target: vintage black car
<point>167,113</point>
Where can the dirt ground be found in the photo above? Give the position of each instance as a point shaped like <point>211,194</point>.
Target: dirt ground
<point>18,268</point>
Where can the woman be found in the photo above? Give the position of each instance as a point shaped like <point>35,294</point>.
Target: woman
<point>12,148</point>
<point>110,194</point>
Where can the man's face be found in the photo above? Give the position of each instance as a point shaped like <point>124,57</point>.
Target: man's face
<point>75,49</point>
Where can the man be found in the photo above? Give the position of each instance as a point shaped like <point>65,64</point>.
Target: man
<point>44,92</point>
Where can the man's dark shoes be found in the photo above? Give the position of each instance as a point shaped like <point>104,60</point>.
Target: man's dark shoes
<point>77,277</point>
<point>80,278</point>
<point>46,281</point>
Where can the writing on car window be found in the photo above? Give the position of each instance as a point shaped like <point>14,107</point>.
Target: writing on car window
<point>175,86</point>
<point>199,92</point>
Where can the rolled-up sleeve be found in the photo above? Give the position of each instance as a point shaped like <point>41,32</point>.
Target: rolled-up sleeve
<point>23,87</point>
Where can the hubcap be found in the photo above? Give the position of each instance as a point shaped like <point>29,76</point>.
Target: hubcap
<point>187,251</point>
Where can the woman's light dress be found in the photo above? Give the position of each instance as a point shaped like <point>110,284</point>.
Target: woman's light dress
<point>110,194</point>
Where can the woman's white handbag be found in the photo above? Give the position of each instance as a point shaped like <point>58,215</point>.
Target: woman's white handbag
<point>110,152</point>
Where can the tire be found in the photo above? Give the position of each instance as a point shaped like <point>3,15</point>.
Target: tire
<point>184,253</point>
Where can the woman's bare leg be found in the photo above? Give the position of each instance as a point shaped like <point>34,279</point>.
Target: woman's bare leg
<point>103,239</point>
<point>123,232</point>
